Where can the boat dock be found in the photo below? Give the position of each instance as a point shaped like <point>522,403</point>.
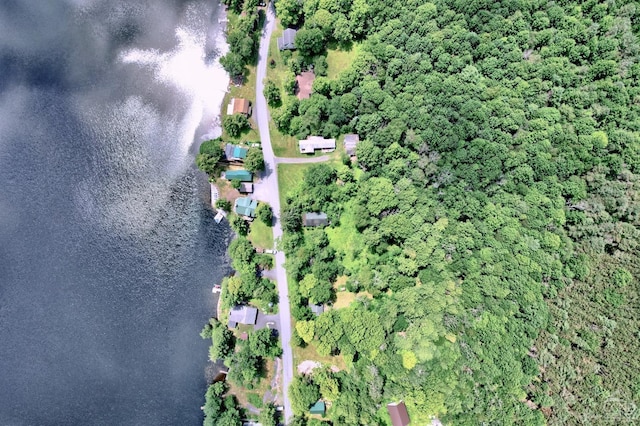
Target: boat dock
<point>214,195</point>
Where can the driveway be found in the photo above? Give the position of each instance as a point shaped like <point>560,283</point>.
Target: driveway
<point>283,160</point>
<point>269,192</point>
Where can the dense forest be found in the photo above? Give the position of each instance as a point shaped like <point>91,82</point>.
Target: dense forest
<point>490,223</point>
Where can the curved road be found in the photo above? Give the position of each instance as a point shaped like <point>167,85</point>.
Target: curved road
<point>270,183</point>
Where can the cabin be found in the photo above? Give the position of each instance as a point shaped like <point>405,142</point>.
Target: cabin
<point>235,152</point>
<point>315,219</point>
<point>241,175</point>
<point>242,315</point>
<point>245,206</point>
<point>288,40</point>
<point>309,145</point>
<point>246,188</point>
<point>305,84</point>
<point>350,142</point>
<point>318,408</point>
<point>398,413</point>
<point>239,106</point>
<point>317,310</point>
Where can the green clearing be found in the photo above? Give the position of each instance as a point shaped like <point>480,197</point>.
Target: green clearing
<point>346,240</point>
<point>289,177</point>
<point>309,353</point>
<point>261,235</point>
<point>339,60</point>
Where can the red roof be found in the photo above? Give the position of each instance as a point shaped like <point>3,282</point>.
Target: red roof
<point>305,83</point>
<point>241,106</point>
<point>398,413</point>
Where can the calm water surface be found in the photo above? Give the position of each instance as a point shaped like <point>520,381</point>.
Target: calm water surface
<point>108,250</point>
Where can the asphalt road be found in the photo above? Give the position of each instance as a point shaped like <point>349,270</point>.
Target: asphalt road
<point>270,191</point>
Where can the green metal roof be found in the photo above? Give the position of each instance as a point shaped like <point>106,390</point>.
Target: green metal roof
<point>318,408</point>
<point>245,206</point>
<point>242,175</point>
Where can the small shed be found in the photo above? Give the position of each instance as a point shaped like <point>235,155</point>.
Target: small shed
<point>235,152</point>
<point>316,309</point>
<point>287,41</point>
<point>315,219</point>
<point>246,188</point>
<point>245,206</point>
<point>242,315</point>
<point>318,408</point>
<point>241,175</point>
<point>239,106</point>
<point>305,84</point>
<point>350,142</point>
<point>398,413</point>
<point>309,145</point>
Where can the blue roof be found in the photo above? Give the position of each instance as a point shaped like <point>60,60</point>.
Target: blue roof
<point>245,206</point>
<point>239,152</point>
<point>318,408</point>
<point>242,175</point>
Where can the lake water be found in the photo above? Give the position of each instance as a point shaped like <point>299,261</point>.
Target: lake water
<point>108,249</point>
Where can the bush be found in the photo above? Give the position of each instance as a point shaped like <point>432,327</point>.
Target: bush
<point>255,160</point>
<point>272,93</point>
<point>235,124</point>
<point>265,214</point>
<point>223,204</point>
<point>239,225</point>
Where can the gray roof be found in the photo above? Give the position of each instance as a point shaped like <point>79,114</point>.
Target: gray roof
<point>315,219</point>
<point>316,309</point>
<point>243,315</point>
<point>309,145</point>
<point>287,41</point>
<point>350,142</point>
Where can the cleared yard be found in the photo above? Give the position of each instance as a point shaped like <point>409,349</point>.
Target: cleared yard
<point>289,176</point>
<point>339,60</point>
<point>261,235</point>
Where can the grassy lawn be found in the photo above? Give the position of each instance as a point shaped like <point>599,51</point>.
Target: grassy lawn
<point>283,145</point>
<point>261,235</point>
<point>289,176</point>
<point>246,91</point>
<point>339,60</point>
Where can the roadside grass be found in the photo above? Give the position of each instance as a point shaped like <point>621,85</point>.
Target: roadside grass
<point>289,177</point>
<point>261,235</point>
<point>339,60</point>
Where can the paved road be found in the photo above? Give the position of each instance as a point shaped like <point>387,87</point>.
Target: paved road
<point>269,183</point>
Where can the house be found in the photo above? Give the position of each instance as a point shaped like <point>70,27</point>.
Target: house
<point>318,408</point>
<point>239,106</point>
<point>242,315</point>
<point>305,84</point>
<point>309,145</point>
<point>350,142</point>
<point>287,41</point>
<point>245,206</point>
<point>316,309</point>
<point>246,188</point>
<point>315,219</point>
<point>235,152</point>
<point>398,413</point>
<point>241,175</point>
